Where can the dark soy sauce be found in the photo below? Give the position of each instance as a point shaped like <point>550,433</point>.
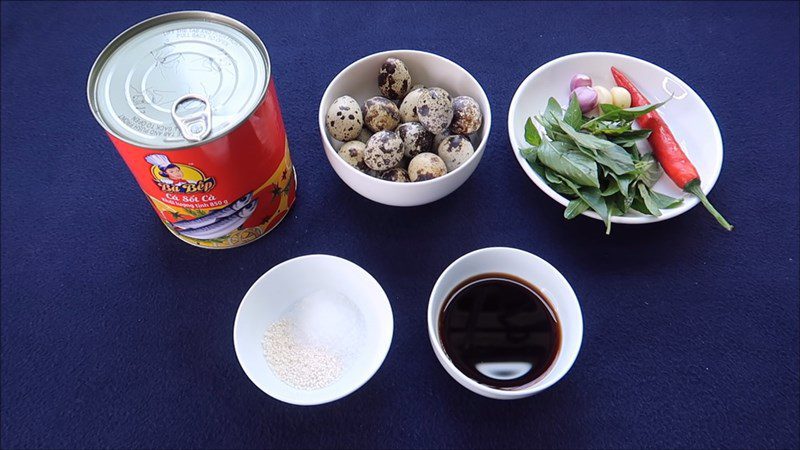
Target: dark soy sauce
<point>499,330</point>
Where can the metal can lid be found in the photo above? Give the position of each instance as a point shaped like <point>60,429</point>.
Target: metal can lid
<point>178,79</point>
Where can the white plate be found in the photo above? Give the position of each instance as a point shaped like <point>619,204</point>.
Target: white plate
<point>273,293</point>
<point>686,115</point>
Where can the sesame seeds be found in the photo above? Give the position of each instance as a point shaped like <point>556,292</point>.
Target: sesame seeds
<point>314,341</point>
<point>299,365</point>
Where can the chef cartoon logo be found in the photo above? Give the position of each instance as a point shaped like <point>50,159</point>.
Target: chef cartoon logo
<point>176,177</point>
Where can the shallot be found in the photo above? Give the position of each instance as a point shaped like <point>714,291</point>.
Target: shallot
<point>579,80</point>
<point>587,98</point>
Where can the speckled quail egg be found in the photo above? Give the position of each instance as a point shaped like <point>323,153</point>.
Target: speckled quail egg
<point>467,117</point>
<point>437,140</point>
<point>398,175</point>
<point>435,109</point>
<point>455,151</point>
<point>416,139</point>
<point>353,153</point>
<point>394,79</point>
<point>408,109</point>
<point>384,150</point>
<point>381,114</point>
<point>344,120</point>
<point>364,135</point>
<point>426,166</point>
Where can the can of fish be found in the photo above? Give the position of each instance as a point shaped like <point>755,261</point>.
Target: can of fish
<point>188,100</point>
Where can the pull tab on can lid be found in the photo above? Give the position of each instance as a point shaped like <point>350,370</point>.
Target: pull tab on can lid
<point>178,79</point>
<point>192,114</point>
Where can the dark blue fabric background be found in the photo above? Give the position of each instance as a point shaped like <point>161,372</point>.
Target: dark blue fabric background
<point>116,334</point>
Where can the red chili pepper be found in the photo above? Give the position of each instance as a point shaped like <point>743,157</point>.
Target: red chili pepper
<point>667,150</point>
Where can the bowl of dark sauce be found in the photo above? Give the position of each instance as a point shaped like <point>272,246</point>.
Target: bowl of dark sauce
<point>504,323</point>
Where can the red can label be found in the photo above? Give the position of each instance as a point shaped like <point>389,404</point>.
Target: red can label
<point>224,193</point>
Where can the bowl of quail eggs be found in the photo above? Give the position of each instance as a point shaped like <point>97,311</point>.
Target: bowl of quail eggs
<point>404,127</point>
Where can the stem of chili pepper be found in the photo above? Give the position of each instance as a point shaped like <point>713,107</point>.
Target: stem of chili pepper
<point>667,150</point>
<point>693,187</point>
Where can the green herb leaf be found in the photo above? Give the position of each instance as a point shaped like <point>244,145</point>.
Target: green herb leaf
<point>573,116</point>
<point>575,208</point>
<point>533,161</point>
<point>620,204</point>
<point>550,126</point>
<point>532,134</point>
<point>626,203</point>
<point>528,153</point>
<point>648,171</point>
<point>553,109</point>
<point>611,129</point>
<point>608,107</point>
<point>596,201</point>
<point>614,115</point>
<point>630,137</point>
<point>664,201</point>
<point>613,188</point>
<point>551,176</point>
<point>573,165</point>
<point>650,205</point>
<point>608,153</point>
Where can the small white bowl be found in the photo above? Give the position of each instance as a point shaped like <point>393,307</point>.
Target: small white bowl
<point>275,291</point>
<point>686,115</point>
<point>536,271</point>
<point>360,81</point>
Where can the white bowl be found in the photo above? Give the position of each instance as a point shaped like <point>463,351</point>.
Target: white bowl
<point>275,291</point>
<point>360,81</point>
<point>536,271</point>
<point>686,114</point>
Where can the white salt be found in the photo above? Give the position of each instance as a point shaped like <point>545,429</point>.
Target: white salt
<point>315,340</point>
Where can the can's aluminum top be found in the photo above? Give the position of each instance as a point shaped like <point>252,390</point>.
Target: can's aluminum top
<point>178,79</point>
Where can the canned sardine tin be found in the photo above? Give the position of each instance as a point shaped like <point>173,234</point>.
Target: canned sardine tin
<point>188,100</point>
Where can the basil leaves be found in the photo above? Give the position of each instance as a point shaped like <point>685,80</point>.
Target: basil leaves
<point>595,162</point>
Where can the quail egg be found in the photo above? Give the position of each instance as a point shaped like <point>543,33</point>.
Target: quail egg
<point>416,139</point>
<point>394,79</point>
<point>353,153</point>
<point>408,109</point>
<point>381,114</point>
<point>344,119</point>
<point>467,117</point>
<point>455,151</point>
<point>437,140</point>
<point>398,175</point>
<point>435,109</point>
<point>364,135</point>
<point>426,166</point>
<point>384,151</point>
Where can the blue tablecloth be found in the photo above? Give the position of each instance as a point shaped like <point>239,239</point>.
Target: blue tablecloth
<point>116,334</point>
